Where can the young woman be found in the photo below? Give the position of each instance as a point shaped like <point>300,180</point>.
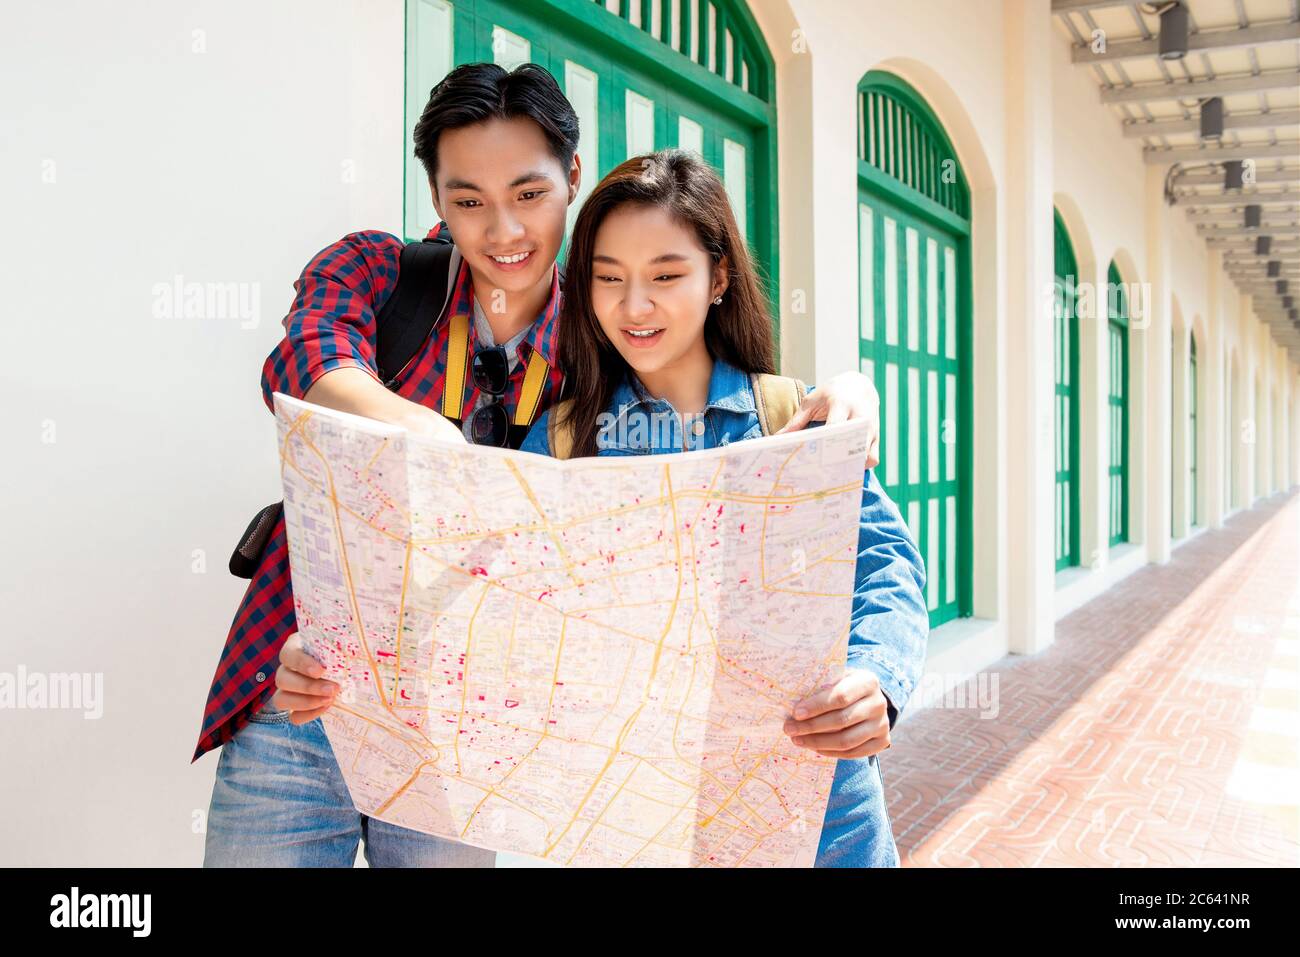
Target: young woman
<point>663,316</point>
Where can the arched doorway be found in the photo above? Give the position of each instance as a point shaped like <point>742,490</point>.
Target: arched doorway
<point>1117,399</point>
<point>1065,308</point>
<point>914,324</point>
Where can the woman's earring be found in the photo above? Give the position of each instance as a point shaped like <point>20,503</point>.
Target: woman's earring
<point>717,301</point>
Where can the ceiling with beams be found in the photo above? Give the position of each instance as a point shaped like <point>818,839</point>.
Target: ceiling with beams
<point>1246,54</point>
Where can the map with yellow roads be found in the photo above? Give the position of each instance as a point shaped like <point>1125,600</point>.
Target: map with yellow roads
<point>588,661</point>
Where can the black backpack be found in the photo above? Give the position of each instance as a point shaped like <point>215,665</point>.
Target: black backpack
<point>401,329</point>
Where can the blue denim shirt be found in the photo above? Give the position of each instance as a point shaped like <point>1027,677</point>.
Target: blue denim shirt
<point>889,620</point>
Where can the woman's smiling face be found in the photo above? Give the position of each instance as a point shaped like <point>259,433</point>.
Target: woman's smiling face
<point>651,285</point>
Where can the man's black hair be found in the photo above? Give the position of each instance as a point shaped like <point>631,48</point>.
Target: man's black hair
<point>476,92</point>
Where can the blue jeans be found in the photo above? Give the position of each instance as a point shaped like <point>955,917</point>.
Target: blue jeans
<point>280,801</point>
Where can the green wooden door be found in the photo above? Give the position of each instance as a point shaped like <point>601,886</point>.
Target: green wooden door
<point>1067,399</point>
<point>1117,405</point>
<point>914,326</point>
<point>642,75</point>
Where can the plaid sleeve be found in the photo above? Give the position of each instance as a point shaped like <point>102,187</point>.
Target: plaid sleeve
<point>332,322</point>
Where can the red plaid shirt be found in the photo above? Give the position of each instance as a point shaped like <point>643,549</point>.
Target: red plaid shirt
<point>331,326</point>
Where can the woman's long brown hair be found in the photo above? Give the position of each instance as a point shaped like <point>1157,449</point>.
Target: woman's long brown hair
<point>738,331</point>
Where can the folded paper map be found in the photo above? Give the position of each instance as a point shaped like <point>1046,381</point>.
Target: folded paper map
<point>587,661</point>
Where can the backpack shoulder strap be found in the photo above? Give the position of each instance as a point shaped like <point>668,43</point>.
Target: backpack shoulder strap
<point>777,398</point>
<point>424,280</point>
<point>559,434</point>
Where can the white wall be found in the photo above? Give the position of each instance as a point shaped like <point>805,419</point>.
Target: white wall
<point>222,166</point>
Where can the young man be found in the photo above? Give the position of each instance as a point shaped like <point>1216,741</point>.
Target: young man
<point>500,152</point>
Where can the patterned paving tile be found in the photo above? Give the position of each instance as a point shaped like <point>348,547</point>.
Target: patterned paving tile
<point>1161,728</point>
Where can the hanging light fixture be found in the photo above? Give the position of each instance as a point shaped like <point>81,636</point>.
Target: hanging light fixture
<point>1212,118</point>
<point>1173,32</point>
<point>1253,216</point>
<point>1232,174</point>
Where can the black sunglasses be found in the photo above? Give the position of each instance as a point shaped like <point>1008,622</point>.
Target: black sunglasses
<point>489,425</point>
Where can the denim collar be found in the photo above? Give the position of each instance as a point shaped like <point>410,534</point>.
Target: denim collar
<point>729,390</point>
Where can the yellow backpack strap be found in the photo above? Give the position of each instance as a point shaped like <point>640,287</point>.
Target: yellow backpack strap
<point>530,395</point>
<point>559,435</point>
<point>776,398</point>
<point>453,388</point>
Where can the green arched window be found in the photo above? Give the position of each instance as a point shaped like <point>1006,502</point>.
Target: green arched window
<point>1117,404</point>
<point>914,325</point>
<point>641,74</point>
<point>1067,398</point>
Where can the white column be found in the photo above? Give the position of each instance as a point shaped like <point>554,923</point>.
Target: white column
<point>1279,419</point>
<point>1178,444</point>
<point>1027,33</point>
<point>1270,414</point>
<point>1258,405</point>
<point>1242,403</point>
<point>1157,356</point>
<point>1211,412</point>
<point>798,181</point>
<point>1250,410</point>
<point>1288,424</point>
<point>1278,432</point>
<point>1294,423</point>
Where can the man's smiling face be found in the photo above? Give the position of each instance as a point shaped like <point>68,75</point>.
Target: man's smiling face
<point>505,196</point>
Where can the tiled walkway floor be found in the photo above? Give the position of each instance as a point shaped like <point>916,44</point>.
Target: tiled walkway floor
<point>1160,729</point>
